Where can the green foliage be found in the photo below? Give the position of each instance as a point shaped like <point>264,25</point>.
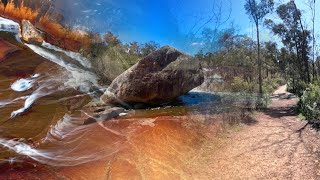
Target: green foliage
<point>111,39</point>
<point>110,57</point>
<point>235,50</point>
<point>149,47</point>
<point>240,85</point>
<point>251,88</point>
<point>95,50</point>
<point>295,37</point>
<point>258,11</point>
<point>270,84</point>
<point>112,61</point>
<point>297,86</point>
<point>309,104</point>
<point>263,102</point>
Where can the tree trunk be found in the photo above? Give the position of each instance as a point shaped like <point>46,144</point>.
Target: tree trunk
<point>318,68</point>
<point>259,62</point>
<point>313,41</point>
<point>300,63</point>
<point>304,48</point>
<point>313,71</point>
<point>305,59</point>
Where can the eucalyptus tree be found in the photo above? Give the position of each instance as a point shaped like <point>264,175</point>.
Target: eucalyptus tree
<point>149,47</point>
<point>111,39</point>
<point>257,12</point>
<point>294,36</point>
<point>312,6</point>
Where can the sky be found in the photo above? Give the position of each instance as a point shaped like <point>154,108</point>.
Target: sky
<point>167,22</point>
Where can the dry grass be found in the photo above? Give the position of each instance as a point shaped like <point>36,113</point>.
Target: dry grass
<point>63,36</point>
<point>19,13</point>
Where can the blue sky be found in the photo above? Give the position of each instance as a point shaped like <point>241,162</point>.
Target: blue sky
<point>164,21</point>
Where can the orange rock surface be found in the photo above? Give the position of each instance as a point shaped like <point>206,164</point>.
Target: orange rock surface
<point>6,49</point>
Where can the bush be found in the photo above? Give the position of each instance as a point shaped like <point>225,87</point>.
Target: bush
<point>248,92</point>
<point>271,84</point>
<point>109,61</point>
<point>265,101</point>
<point>309,104</point>
<point>240,85</point>
<point>297,87</point>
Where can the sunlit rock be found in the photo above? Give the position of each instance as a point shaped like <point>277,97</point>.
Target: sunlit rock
<point>160,77</point>
<point>30,34</point>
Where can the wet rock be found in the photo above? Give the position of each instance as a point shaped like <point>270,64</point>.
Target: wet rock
<point>158,78</point>
<point>96,114</point>
<point>30,34</point>
<point>6,49</point>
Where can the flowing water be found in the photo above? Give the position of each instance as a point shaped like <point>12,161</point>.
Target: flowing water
<point>43,133</point>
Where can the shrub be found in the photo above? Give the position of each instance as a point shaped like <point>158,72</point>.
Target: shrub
<point>240,85</point>
<point>270,84</point>
<point>248,92</point>
<point>309,104</point>
<point>297,87</point>
<point>109,61</point>
<point>264,102</point>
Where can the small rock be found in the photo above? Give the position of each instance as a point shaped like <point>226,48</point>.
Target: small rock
<point>96,114</point>
<point>30,34</point>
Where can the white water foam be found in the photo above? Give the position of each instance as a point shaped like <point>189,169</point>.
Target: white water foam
<point>79,78</point>
<point>82,60</point>
<point>6,102</point>
<point>45,88</point>
<point>53,157</point>
<point>68,144</point>
<point>65,127</point>
<point>24,84</point>
<point>67,137</point>
<point>8,25</point>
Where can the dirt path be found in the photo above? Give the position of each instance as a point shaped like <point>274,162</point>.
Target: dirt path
<point>271,148</point>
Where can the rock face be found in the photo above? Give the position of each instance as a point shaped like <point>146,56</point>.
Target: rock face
<point>29,33</point>
<point>160,77</point>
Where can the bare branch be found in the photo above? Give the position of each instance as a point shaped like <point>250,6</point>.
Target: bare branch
<point>215,17</point>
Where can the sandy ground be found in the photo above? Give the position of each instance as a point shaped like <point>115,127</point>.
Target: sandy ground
<point>275,146</point>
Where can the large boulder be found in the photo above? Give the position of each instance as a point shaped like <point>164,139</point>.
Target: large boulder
<point>158,78</point>
<point>29,33</point>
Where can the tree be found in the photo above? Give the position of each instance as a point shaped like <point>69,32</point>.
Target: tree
<point>305,35</point>
<point>294,36</point>
<point>149,47</point>
<point>111,39</point>
<point>257,11</point>
<point>312,6</point>
<point>270,53</point>
<point>134,48</point>
<point>284,60</point>
<point>94,37</point>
